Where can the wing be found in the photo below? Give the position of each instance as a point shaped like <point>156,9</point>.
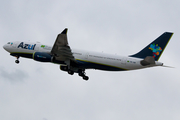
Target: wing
<point>61,49</point>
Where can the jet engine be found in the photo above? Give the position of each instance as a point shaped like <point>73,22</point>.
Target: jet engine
<point>42,57</point>
<point>63,68</point>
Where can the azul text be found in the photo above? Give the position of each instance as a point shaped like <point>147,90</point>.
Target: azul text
<point>26,46</point>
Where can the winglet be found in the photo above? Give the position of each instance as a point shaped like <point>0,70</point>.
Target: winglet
<point>64,31</point>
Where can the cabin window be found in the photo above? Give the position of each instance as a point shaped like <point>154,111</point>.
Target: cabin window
<point>8,43</point>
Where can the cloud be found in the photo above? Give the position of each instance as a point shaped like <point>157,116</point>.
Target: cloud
<point>45,119</point>
<point>13,76</point>
<point>122,27</point>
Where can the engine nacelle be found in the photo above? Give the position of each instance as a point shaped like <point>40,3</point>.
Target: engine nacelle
<point>42,57</point>
<point>63,68</point>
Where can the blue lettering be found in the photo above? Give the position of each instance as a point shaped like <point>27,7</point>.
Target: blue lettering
<point>30,47</point>
<point>20,45</point>
<point>26,46</point>
<point>34,46</point>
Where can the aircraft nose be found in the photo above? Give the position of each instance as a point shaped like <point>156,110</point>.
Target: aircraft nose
<point>5,47</point>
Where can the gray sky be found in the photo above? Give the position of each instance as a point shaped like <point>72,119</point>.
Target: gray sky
<point>39,91</point>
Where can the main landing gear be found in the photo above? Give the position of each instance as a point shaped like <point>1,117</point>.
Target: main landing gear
<point>83,74</point>
<point>80,73</point>
<point>17,61</point>
<point>70,72</point>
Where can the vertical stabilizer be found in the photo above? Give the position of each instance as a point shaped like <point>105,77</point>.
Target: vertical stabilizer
<point>155,48</point>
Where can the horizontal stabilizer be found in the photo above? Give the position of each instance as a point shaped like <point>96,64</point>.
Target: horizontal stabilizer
<point>149,60</point>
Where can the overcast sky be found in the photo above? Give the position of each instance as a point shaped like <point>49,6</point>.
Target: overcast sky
<point>39,91</point>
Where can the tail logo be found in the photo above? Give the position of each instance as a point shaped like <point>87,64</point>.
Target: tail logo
<point>155,49</point>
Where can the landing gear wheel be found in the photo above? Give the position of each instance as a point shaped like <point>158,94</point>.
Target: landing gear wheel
<point>70,72</point>
<point>83,74</point>
<point>17,61</point>
<point>85,77</point>
<point>80,74</point>
<point>66,68</point>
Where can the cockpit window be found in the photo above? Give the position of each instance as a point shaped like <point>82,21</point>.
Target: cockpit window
<point>8,43</point>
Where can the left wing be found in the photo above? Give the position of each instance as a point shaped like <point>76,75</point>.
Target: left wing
<point>61,50</point>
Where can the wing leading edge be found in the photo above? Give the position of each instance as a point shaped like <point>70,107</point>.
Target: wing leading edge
<point>61,50</point>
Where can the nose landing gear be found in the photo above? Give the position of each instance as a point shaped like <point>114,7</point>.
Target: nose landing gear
<point>17,61</point>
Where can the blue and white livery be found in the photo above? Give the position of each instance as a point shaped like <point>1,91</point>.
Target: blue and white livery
<point>77,61</point>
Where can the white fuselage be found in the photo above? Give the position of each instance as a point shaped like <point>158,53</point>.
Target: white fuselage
<point>92,60</point>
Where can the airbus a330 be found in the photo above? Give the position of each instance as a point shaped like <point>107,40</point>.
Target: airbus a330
<point>77,61</point>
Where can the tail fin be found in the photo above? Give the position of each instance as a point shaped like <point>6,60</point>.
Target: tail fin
<point>155,48</point>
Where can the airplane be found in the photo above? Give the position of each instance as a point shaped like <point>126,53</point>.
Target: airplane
<point>77,61</point>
